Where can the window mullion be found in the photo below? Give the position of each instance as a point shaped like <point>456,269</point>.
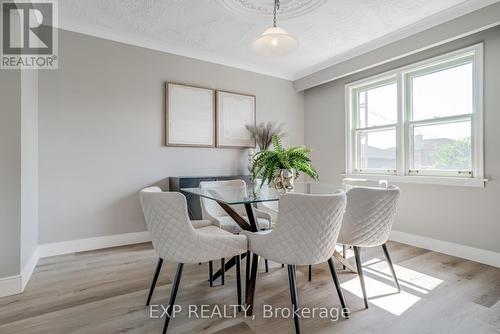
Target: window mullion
<point>377,128</point>
<point>354,124</point>
<point>477,118</point>
<point>442,120</point>
<point>400,133</point>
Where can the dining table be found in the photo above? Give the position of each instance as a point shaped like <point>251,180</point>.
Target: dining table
<point>228,197</point>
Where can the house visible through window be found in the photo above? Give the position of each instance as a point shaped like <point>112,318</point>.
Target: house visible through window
<point>424,119</point>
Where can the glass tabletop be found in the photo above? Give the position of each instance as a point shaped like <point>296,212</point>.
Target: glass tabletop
<point>254,193</point>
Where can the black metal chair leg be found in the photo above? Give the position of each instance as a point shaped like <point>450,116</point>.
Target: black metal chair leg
<point>293,295</point>
<point>357,255</point>
<point>267,265</point>
<point>173,294</point>
<point>388,257</point>
<point>211,273</point>
<point>337,286</point>
<point>238,282</point>
<point>247,269</point>
<point>310,273</point>
<point>222,265</point>
<point>295,276</point>
<point>155,279</point>
<point>344,248</point>
<point>252,281</point>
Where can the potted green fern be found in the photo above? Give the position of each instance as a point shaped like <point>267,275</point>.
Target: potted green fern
<point>282,166</point>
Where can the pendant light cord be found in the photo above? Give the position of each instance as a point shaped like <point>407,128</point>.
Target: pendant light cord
<point>276,7</point>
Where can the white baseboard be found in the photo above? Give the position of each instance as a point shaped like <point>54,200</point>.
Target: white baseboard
<point>11,285</point>
<point>470,253</point>
<point>27,271</point>
<point>81,245</point>
<point>15,284</point>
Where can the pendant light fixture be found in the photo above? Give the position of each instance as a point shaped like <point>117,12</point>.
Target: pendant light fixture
<point>274,41</point>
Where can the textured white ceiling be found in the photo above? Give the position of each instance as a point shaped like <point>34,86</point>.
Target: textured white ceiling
<point>222,31</point>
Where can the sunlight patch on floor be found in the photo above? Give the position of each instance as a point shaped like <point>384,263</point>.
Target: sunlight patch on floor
<point>382,295</point>
<point>381,289</point>
<point>412,279</point>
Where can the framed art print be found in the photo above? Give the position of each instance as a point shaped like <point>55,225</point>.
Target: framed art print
<point>234,112</point>
<point>190,115</point>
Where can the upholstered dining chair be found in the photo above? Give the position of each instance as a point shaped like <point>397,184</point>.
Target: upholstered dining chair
<point>360,182</point>
<point>368,222</point>
<point>211,210</point>
<point>306,233</point>
<point>175,239</point>
<point>196,224</point>
<point>271,208</point>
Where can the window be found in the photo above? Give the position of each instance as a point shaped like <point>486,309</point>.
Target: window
<point>420,120</point>
<point>375,119</point>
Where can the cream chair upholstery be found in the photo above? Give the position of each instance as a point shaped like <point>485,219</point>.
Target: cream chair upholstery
<point>360,182</point>
<point>369,216</point>
<point>270,208</point>
<point>211,210</point>
<point>307,229</point>
<point>175,239</point>
<point>368,222</point>
<point>201,223</point>
<point>196,224</point>
<point>306,233</point>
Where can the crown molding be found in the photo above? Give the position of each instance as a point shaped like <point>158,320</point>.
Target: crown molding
<point>140,41</point>
<point>136,40</point>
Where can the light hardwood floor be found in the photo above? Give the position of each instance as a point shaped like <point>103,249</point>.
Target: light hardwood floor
<point>104,292</point>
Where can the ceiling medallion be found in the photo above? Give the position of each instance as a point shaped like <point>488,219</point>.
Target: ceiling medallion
<point>263,9</point>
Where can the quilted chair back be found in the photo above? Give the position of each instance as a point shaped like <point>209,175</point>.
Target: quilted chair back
<point>307,228</point>
<point>168,223</point>
<point>369,216</point>
<point>210,208</point>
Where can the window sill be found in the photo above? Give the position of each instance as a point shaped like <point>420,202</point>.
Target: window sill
<point>436,180</point>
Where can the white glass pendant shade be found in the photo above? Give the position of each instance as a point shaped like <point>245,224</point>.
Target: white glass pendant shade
<point>274,41</point>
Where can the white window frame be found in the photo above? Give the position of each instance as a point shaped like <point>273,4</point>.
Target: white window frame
<point>404,124</point>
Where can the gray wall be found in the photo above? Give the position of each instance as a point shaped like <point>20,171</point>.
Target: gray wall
<point>467,216</point>
<point>101,132</point>
<point>10,172</point>
<point>29,164</point>
<point>18,169</point>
